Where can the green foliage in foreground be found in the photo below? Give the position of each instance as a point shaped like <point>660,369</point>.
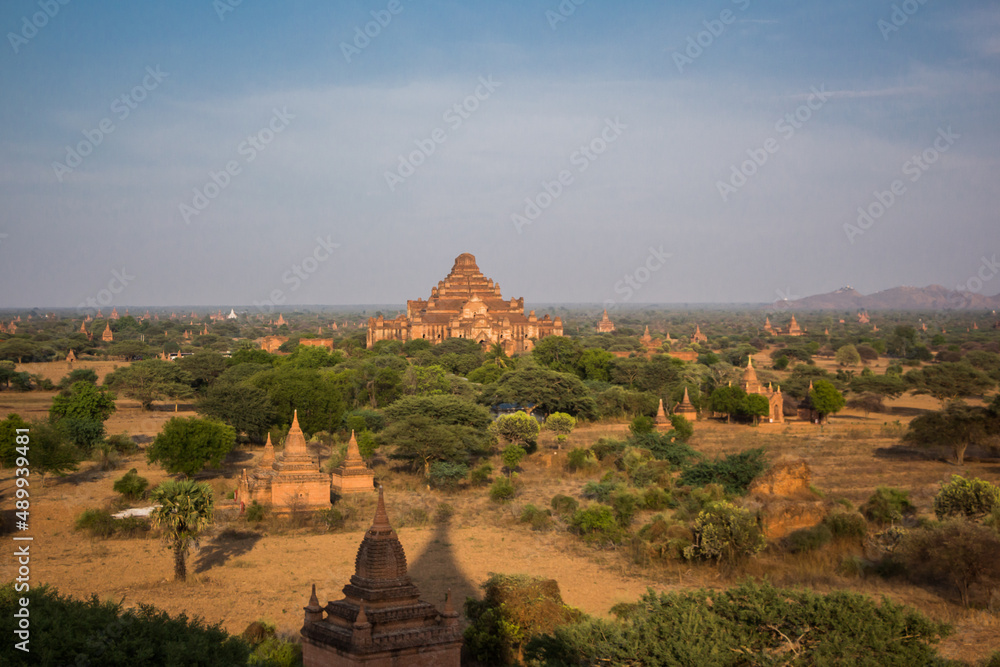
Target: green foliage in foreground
<point>734,472</point>
<point>752,624</point>
<point>66,631</point>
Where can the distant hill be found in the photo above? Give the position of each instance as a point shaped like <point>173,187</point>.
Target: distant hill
<point>932,297</point>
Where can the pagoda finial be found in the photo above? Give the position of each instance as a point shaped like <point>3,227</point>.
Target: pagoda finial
<point>749,361</point>
<point>353,452</point>
<point>362,618</point>
<point>381,521</point>
<point>313,600</point>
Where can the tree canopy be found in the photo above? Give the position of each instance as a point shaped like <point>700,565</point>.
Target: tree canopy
<point>188,445</point>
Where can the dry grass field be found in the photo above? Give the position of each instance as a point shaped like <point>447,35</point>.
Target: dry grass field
<point>244,572</point>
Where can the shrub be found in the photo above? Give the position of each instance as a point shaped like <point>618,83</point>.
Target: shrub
<point>447,475</point>
<point>752,624</point>
<point>956,552</point>
<point>480,475</point>
<point>601,491</point>
<point>330,518</point>
<point>655,498</point>
<point>255,512</point>
<point>682,426</point>
<point>92,632</point>
<point>99,523</point>
<point>596,523</point>
<point>809,539</point>
<point>725,532</point>
<point>624,505</point>
<point>564,505</point>
<point>503,490</point>
<point>512,455</point>
<point>846,525</point>
<point>665,447</point>
<point>514,609</point>
<point>580,460</point>
<point>887,505</point>
<point>539,519</point>
<point>642,424</point>
<point>607,448</point>
<point>972,498</point>
<point>735,472</point>
<point>131,485</point>
<point>122,443</point>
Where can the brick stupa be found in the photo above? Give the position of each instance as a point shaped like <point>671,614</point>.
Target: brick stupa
<point>381,621</point>
<point>291,480</point>
<point>352,476</point>
<point>686,407</point>
<point>661,420</point>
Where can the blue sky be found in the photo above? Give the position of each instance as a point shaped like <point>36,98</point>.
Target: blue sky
<point>644,111</point>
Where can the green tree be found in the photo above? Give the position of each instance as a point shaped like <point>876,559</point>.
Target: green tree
<point>970,498</point>
<point>243,406</point>
<point>558,353</point>
<point>957,426</point>
<point>129,350</point>
<point>188,445</point>
<point>150,380</point>
<point>19,349</point>
<point>319,396</point>
<point>95,632</point>
<point>595,364</point>
<point>518,428</point>
<point>847,355</point>
<point>83,400</point>
<point>8,433</point>
<point>547,391</point>
<point>957,552</point>
<point>448,410</point>
<point>204,366</point>
<point>727,400</point>
<point>725,532</point>
<point>78,375</point>
<point>949,380</point>
<point>185,509</point>
<point>51,451</point>
<point>887,386</point>
<point>561,424</point>
<point>825,398</point>
<point>421,440</point>
<point>512,456</point>
<point>756,406</point>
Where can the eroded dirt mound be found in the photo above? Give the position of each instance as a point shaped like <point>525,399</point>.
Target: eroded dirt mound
<point>789,478</point>
<point>784,500</point>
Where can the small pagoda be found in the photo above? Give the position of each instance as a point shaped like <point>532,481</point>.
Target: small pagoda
<point>352,476</point>
<point>381,620</point>
<point>661,420</point>
<point>289,481</point>
<point>686,407</point>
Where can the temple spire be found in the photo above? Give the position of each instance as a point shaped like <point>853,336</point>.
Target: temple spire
<point>353,453</point>
<point>381,521</point>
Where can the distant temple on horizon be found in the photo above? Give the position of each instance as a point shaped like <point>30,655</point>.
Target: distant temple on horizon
<point>466,304</point>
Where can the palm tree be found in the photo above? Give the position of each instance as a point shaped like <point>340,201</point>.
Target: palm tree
<point>185,509</point>
<point>498,356</point>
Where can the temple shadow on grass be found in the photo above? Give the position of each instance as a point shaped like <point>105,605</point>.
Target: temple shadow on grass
<point>436,570</point>
<point>226,545</point>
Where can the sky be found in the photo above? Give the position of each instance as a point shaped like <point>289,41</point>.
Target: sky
<point>304,152</point>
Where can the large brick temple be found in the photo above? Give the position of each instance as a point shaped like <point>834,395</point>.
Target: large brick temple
<point>466,304</point>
